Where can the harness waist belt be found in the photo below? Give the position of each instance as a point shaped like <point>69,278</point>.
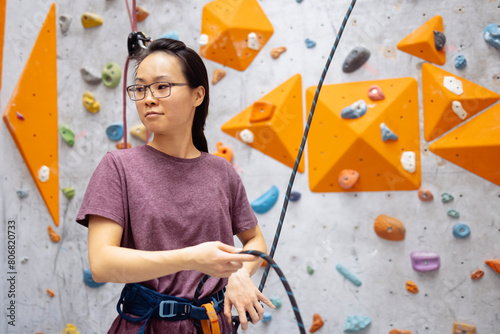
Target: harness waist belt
<point>145,303</point>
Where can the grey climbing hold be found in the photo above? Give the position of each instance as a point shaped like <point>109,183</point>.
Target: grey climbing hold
<point>22,193</point>
<point>453,213</point>
<point>355,110</point>
<point>355,59</point>
<point>460,62</point>
<point>89,76</point>
<point>439,40</point>
<point>310,43</point>
<point>356,324</point>
<point>387,133</point>
<point>445,197</point>
<point>64,23</point>
<point>491,35</point>
<point>24,259</point>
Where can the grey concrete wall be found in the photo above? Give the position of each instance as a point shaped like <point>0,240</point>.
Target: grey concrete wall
<point>320,230</point>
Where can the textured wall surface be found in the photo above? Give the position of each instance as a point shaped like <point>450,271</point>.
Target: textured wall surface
<point>320,230</point>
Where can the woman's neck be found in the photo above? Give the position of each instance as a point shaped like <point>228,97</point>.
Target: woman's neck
<point>176,147</point>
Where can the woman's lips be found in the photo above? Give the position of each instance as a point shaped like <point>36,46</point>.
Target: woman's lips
<point>152,113</point>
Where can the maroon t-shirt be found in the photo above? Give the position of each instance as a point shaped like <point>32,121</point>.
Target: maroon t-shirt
<point>164,203</point>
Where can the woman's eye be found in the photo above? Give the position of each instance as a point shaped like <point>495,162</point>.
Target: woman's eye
<point>139,89</point>
<point>161,87</point>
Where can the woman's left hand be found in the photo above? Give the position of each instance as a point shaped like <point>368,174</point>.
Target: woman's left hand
<point>242,293</point>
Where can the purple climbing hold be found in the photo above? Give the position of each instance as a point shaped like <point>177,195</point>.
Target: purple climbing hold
<point>424,261</point>
<point>294,196</point>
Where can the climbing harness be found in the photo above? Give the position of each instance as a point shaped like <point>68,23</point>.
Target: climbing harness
<point>144,303</point>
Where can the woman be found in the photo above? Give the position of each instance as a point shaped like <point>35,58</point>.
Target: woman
<point>164,214</point>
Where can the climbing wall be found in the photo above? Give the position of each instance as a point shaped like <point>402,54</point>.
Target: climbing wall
<point>378,232</point>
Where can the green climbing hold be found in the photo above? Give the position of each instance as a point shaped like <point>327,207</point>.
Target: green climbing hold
<point>445,197</point>
<point>310,270</point>
<point>67,134</point>
<point>276,302</point>
<point>111,75</point>
<point>69,192</point>
<point>453,213</point>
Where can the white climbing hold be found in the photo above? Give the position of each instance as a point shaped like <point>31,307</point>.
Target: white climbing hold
<point>453,85</point>
<point>203,39</point>
<point>247,136</point>
<point>408,161</point>
<point>43,173</point>
<point>459,110</point>
<point>253,41</point>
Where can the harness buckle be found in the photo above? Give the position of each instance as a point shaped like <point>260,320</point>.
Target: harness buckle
<point>170,313</point>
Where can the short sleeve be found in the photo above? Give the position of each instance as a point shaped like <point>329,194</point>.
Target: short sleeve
<point>106,193</point>
<point>242,216</point>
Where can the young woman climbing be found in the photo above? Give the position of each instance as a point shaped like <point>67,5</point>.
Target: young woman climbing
<point>162,215</point>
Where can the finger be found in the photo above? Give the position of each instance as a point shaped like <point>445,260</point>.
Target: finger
<point>266,301</point>
<point>243,318</point>
<point>253,313</point>
<point>228,248</point>
<point>227,310</point>
<point>242,258</point>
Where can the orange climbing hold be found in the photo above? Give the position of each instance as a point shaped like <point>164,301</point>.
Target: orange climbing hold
<point>141,13</point>
<point>461,328</point>
<point>53,235</point>
<point>420,43</point>
<point>477,274</point>
<point>411,287</point>
<point>227,25</point>
<point>494,264</point>
<point>51,293</point>
<point>120,146</point>
<point>439,114</point>
<point>474,146</point>
<point>218,75</point>
<point>317,323</point>
<point>279,136</point>
<point>399,331</point>
<point>348,178</point>
<point>36,136</point>
<point>389,228</point>
<point>337,143</point>
<point>425,195</point>
<point>276,52</point>
<point>262,111</point>
<point>224,151</point>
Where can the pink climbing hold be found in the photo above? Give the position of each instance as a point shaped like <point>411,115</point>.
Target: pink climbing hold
<point>375,93</point>
<point>19,116</point>
<point>348,178</point>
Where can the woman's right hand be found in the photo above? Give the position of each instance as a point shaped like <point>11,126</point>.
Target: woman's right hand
<point>217,259</point>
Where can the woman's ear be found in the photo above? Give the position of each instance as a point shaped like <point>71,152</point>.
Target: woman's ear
<point>199,95</point>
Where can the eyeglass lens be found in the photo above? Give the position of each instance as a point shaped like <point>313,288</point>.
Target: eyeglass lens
<point>158,89</point>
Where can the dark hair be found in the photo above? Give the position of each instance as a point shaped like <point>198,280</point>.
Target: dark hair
<point>194,70</point>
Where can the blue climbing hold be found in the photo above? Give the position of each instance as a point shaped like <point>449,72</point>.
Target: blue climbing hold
<point>265,202</point>
<point>461,231</point>
<point>310,43</point>
<point>115,132</point>
<point>171,35</point>
<point>387,133</point>
<point>356,324</point>
<point>491,35</point>
<point>22,193</point>
<point>347,274</point>
<point>355,110</point>
<point>294,196</point>
<point>460,62</point>
<point>276,302</point>
<point>267,317</point>
<point>87,279</point>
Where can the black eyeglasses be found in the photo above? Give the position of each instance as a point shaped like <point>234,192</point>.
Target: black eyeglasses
<point>159,90</point>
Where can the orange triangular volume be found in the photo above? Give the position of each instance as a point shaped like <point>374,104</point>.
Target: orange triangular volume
<point>336,144</point>
<point>475,145</point>
<point>494,264</point>
<point>439,116</point>
<point>35,100</point>
<point>227,25</point>
<point>278,136</point>
<point>420,43</point>
<point>2,33</point>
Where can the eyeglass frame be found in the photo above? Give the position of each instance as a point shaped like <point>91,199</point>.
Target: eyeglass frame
<point>171,84</point>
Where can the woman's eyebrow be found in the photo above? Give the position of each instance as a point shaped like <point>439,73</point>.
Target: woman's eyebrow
<point>155,79</point>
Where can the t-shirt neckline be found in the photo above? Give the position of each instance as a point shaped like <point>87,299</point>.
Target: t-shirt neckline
<point>170,157</point>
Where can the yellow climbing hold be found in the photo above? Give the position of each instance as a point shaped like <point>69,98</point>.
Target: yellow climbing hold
<point>70,329</point>
<point>90,103</point>
<point>90,20</point>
